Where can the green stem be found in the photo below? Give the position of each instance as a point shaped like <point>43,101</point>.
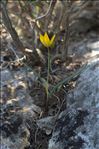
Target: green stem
<point>48,74</point>
<point>48,63</point>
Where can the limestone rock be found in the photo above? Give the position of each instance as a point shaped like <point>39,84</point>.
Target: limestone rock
<point>86,93</point>
<point>78,126</point>
<point>16,108</point>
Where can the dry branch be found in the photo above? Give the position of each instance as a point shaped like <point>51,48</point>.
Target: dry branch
<point>49,16</point>
<point>11,30</point>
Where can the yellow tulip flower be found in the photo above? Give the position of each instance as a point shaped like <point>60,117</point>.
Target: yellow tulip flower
<point>46,41</point>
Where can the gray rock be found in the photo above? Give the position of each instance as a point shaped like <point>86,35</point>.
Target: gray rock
<point>86,93</point>
<point>5,76</point>
<point>94,46</point>
<point>47,124</point>
<point>16,141</point>
<point>78,126</point>
<point>77,129</point>
<point>17,110</point>
<point>85,49</point>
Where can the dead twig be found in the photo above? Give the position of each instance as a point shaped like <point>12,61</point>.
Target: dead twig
<point>66,35</point>
<point>49,15</point>
<point>68,18</point>
<point>40,17</point>
<point>11,30</point>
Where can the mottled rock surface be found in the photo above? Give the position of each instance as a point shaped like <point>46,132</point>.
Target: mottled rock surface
<point>86,93</point>
<point>78,126</point>
<point>17,110</point>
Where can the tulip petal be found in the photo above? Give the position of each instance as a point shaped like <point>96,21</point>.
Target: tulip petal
<point>52,40</point>
<point>47,40</point>
<point>42,40</point>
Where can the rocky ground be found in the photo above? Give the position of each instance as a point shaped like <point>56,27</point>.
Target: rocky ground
<point>75,125</point>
